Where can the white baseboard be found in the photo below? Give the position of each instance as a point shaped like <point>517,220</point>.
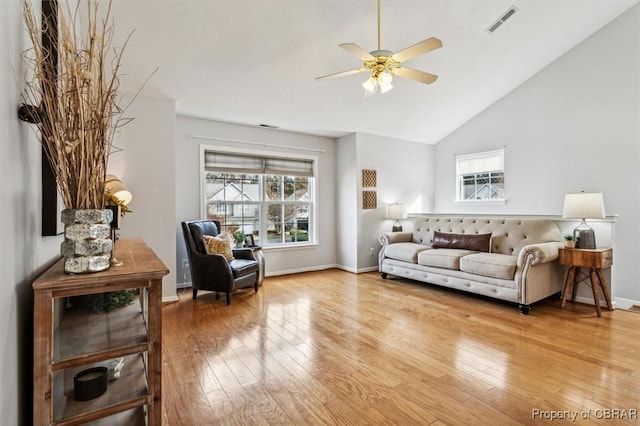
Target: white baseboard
<point>300,270</point>
<point>618,302</point>
<point>622,303</point>
<point>357,271</point>
<point>170,299</point>
<point>183,285</point>
<point>346,268</point>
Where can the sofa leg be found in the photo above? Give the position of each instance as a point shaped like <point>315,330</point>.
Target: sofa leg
<point>228,299</point>
<point>195,292</point>
<point>383,275</point>
<point>217,296</point>
<point>255,286</point>
<point>524,309</point>
<point>556,296</point>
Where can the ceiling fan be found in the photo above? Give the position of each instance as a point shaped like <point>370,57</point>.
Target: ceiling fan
<point>384,64</point>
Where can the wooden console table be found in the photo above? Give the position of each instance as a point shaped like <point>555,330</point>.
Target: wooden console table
<point>67,341</point>
<point>594,259</point>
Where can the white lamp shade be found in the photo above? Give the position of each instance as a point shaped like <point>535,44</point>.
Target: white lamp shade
<point>583,206</point>
<point>370,85</point>
<point>396,211</point>
<point>115,186</point>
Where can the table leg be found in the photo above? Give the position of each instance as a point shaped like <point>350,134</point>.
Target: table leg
<point>603,284</point>
<point>576,280</point>
<point>567,283</point>
<point>594,288</point>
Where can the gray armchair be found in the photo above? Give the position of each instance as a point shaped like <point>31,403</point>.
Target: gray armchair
<point>212,272</point>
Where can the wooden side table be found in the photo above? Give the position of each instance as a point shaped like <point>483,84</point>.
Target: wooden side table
<point>594,259</point>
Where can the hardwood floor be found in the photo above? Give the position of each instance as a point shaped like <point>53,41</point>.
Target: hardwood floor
<point>333,347</point>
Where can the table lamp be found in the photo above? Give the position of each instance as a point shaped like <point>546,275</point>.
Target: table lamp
<point>397,211</point>
<point>583,206</point>
<point>114,185</point>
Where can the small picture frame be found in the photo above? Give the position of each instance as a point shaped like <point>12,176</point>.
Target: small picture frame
<point>369,200</point>
<point>249,241</point>
<point>369,178</point>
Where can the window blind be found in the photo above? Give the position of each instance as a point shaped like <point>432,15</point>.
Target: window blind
<point>482,162</point>
<point>215,161</point>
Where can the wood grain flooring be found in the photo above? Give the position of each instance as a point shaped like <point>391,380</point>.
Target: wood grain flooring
<point>336,348</point>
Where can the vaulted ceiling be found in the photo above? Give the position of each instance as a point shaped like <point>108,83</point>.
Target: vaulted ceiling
<point>255,61</point>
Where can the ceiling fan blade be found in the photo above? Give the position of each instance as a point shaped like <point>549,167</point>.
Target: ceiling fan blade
<point>411,74</point>
<point>358,51</point>
<point>424,46</point>
<point>341,74</point>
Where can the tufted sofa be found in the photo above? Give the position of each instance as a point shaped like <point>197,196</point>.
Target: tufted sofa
<point>520,265</point>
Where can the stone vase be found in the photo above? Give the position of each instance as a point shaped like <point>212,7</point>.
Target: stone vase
<point>87,245</point>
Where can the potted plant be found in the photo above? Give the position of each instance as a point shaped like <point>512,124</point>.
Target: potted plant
<point>569,241</point>
<point>71,96</point>
<point>239,238</point>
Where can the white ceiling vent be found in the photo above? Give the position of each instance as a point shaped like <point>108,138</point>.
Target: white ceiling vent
<point>502,19</point>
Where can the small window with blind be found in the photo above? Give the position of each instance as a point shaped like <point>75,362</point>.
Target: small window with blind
<point>267,196</point>
<point>480,176</point>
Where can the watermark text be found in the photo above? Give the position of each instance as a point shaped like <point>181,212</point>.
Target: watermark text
<point>596,413</point>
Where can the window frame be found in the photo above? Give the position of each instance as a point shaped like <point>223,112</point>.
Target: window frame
<point>460,176</point>
<point>313,237</point>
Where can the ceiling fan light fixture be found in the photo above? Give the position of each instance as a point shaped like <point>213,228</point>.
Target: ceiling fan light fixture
<point>384,64</point>
<point>385,78</point>
<point>384,88</point>
<point>384,81</point>
<point>370,85</point>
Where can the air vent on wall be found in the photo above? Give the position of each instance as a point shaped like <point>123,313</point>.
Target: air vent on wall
<point>508,14</point>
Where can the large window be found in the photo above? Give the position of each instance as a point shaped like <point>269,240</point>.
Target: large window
<point>480,176</point>
<point>271,198</point>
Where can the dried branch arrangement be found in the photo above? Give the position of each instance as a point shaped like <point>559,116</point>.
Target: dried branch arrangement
<point>75,109</point>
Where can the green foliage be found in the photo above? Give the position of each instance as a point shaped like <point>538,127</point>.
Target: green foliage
<point>299,235</point>
<point>239,236</point>
<point>568,237</point>
<point>107,302</point>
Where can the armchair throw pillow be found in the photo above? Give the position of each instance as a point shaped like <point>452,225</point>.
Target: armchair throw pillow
<point>218,245</point>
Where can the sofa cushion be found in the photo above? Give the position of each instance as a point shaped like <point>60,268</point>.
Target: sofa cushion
<point>242,267</point>
<point>490,265</point>
<point>443,258</point>
<point>407,252</point>
<point>474,242</point>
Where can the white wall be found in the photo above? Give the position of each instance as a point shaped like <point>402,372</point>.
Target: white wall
<point>24,254</point>
<point>187,163</point>
<point>404,175</point>
<point>146,166</point>
<point>347,206</point>
<point>574,126</point>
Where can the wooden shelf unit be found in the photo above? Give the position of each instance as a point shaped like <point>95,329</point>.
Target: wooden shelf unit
<point>67,341</point>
